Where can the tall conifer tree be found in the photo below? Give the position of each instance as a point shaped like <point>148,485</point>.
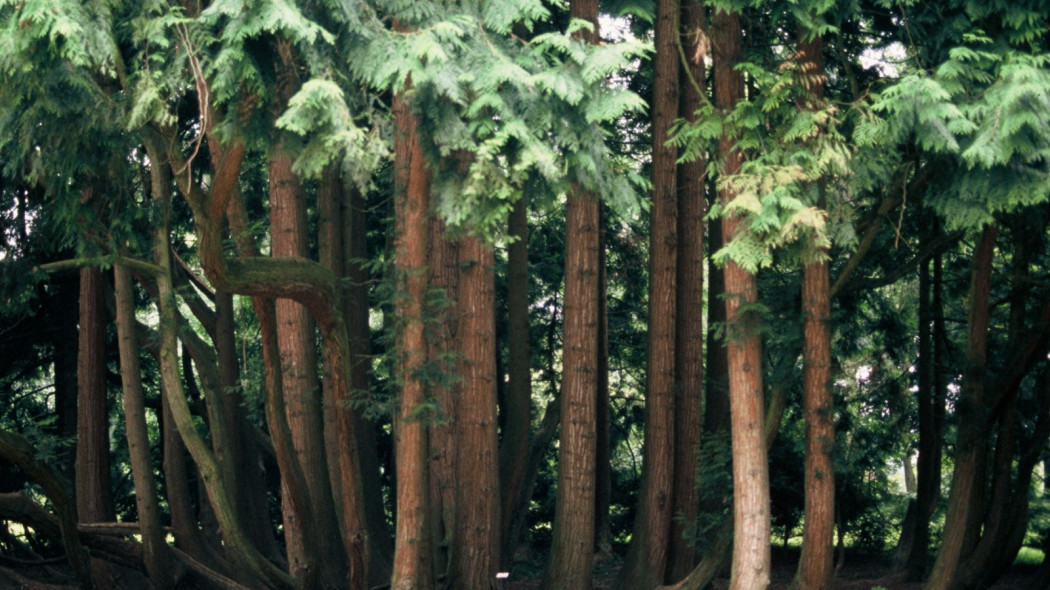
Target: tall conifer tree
<point>572,548</point>
<point>751,503</point>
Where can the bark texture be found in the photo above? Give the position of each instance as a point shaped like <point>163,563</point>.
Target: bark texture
<point>751,513</point>
<point>815,568</point>
<point>572,548</point>
<point>92,463</point>
<point>411,539</point>
<point>476,550</point>
<point>646,561</point>
<point>689,334</point>
<point>308,559</point>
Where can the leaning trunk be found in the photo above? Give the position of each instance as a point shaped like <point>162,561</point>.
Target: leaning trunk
<point>969,448</point>
<point>156,554</point>
<point>240,549</point>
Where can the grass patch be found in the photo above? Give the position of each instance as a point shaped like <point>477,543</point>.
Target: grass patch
<point>1029,556</point>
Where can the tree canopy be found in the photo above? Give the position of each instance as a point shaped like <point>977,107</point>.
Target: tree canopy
<point>352,294</point>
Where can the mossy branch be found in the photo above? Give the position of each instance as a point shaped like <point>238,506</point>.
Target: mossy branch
<point>99,261</point>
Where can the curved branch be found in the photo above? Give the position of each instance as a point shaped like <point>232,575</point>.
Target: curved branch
<point>935,247</point>
<point>16,449</point>
<point>75,263</point>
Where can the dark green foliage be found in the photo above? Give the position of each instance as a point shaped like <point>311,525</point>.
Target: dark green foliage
<point>938,109</point>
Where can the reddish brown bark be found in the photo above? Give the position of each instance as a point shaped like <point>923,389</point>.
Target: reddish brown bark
<point>689,336</point>
<point>411,540</point>
<point>94,503</point>
<point>476,550</point>
<point>815,567</point>
<point>298,361</point>
<point>572,548</point>
<point>308,283</point>
<point>751,515</point>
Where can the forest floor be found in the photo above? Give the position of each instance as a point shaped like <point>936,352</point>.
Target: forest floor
<point>858,572</point>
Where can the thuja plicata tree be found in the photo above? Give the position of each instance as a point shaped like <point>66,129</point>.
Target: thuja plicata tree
<point>418,294</point>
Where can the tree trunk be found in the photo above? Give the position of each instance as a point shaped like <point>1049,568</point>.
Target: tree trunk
<point>646,562</point>
<point>751,516</point>
<point>94,503</point>
<point>476,551</point>
<point>240,550</point>
<point>264,278</point>
<point>298,359</point>
<point>1006,517</point>
<point>966,475</point>
<point>714,560</point>
<point>155,550</point>
<point>572,547</point>
<point>442,347</point>
<point>816,565</point>
<point>514,445</point>
<point>243,455</point>
<point>815,568</point>
<point>188,537</point>
<point>412,568</point>
<point>912,550</point>
<point>689,335</point>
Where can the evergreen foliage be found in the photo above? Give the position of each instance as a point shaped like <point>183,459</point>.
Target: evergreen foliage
<point>935,126</point>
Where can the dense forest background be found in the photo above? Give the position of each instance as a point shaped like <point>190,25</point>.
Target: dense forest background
<point>362,294</point>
